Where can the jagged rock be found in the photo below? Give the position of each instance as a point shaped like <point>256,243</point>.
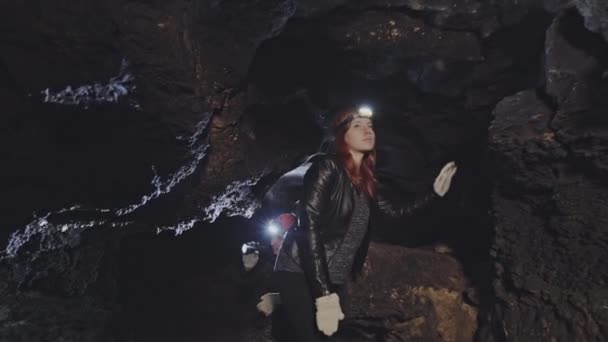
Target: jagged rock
<point>437,66</point>
<point>449,14</point>
<point>380,44</point>
<point>412,295</point>
<point>61,295</point>
<point>446,14</point>
<point>595,13</point>
<point>586,137</point>
<point>520,135</point>
<point>380,33</point>
<point>567,68</point>
<point>575,61</point>
<point>36,317</point>
<point>547,248</point>
<point>489,82</point>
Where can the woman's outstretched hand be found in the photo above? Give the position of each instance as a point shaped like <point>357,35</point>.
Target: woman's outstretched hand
<point>444,179</point>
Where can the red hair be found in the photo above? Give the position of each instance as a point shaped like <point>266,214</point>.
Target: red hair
<point>364,178</point>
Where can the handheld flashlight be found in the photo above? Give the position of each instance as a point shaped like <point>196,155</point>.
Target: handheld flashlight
<point>273,228</point>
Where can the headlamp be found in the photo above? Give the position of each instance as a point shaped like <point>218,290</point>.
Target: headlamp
<point>250,247</point>
<point>362,112</point>
<point>365,111</point>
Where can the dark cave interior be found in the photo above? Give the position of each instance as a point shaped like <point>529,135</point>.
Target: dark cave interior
<point>128,212</point>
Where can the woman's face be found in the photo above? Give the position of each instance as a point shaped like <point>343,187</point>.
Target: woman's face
<point>360,136</point>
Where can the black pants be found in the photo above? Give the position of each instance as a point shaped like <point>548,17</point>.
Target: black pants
<point>295,320</point>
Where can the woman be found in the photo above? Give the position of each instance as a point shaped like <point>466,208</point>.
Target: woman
<point>331,239</point>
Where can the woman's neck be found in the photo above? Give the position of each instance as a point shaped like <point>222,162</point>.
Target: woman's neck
<point>357,158</point>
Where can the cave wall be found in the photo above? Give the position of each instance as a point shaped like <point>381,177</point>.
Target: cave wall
<point>548,148</point>
<point>206,93</point>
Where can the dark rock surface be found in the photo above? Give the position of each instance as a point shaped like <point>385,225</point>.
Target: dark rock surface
<point>594,12</point>
<point>124,118</point>
<point>550,195</point>
<point>411,295</point>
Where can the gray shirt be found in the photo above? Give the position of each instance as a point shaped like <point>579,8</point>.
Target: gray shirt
<point>341,262</point>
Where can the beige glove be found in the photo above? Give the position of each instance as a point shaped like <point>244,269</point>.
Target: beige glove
<point>268,303</point>
<point>444,179</point>
<point>329,313</point>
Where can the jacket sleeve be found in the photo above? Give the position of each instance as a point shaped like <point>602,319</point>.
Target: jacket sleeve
<point>319,182</point>
<point>407,209</point>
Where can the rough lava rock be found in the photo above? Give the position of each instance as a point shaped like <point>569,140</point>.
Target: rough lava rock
<point>437,67</point>
<point>412,295</point>
<point>549,250</point>
<point>568,68</point>
<point>595,13</point>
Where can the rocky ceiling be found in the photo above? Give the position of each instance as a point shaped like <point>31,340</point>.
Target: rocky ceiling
<point>138,138</point>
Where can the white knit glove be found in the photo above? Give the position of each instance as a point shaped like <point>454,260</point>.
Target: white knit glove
<point>268,303</point>
<point>329,313</point>
<point>444,179</point>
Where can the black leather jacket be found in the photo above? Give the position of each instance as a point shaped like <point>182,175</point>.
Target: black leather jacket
<point>324,215</point>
